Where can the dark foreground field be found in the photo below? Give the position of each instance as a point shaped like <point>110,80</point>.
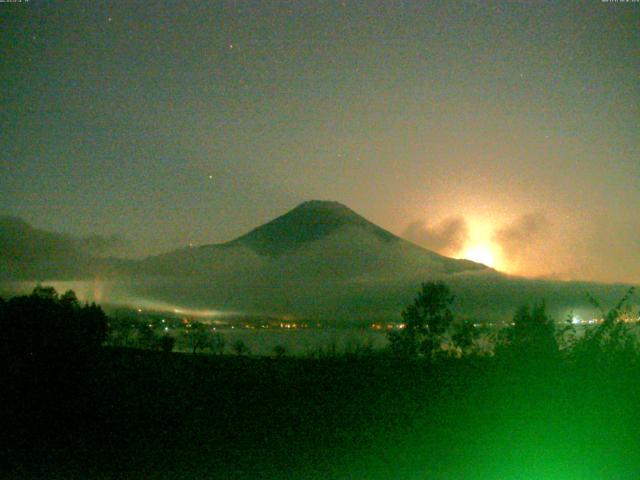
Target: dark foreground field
<point>137,414</point>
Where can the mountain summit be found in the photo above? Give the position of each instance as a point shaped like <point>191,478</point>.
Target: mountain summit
<point>320,260</point>
<point>310,221</point>
<point>319,240</point>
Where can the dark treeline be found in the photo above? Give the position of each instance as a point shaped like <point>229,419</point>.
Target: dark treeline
<point>45,326</point>
<point>545,399</point>
<point>431,332</point>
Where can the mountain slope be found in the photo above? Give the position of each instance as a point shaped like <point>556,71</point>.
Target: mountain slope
<point>28,253</point>
<point>310,221</point>
<point>320,260</point>
<point>317,239</point>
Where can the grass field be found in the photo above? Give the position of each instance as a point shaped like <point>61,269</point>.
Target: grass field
<point>141,414</point>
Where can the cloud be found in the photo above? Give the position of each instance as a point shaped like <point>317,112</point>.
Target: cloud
<point>448,237</point>
<point>518,237</point>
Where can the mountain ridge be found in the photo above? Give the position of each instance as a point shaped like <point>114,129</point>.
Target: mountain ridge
<point>326,234</point>
<point>309,221</point>
<point>341,267</point>
<point>319,236</point>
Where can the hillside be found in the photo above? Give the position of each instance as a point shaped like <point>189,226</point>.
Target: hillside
<point>317,238</point>
<point>310,221</point>
<point>320,260</point>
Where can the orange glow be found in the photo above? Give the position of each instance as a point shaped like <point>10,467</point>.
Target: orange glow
<point>480,246</point>
<point>481,253</point>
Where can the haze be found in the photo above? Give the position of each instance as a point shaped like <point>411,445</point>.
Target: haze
<point>505,133</point>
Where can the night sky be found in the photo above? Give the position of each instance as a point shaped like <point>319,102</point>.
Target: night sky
<point>505,132</point>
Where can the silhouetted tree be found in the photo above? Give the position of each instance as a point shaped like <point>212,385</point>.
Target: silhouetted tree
<point>147,337</point>
<point>566,335</point>
<point>464,336</point>
<point>218,343</point>
<point>612,339</point>
<point>44,325</point>
<point>44,292</point>
<point>123,331</point>
<point>532,335</point>
<point>200,338</point>
<point>240,348</point>
<point>279,351</point>
<point>92,324</point>
<point>426,321</point>
<point>69,299</point>
<point>166,342</point>
<point>357,347</point>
